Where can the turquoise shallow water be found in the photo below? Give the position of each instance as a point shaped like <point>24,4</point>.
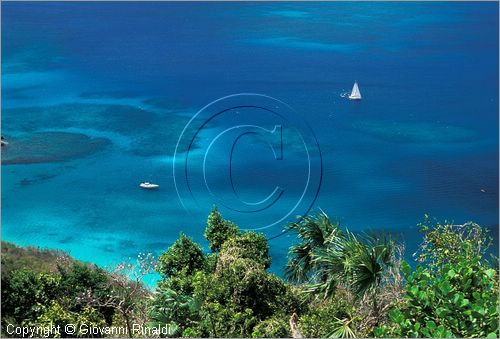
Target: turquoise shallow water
<point>424,139</point>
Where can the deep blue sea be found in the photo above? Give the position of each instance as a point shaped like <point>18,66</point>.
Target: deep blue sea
<point>424,138</point>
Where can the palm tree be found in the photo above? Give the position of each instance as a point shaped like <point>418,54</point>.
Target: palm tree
<point>358,263</point>
<point>373,259</point>
<point>326,257</point>
<point>365,266</point>
<point>314,233</point>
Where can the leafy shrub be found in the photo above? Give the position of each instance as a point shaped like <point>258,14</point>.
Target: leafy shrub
<point>175,309</point>
<point>448,243</point>
<point>249,245</point>
<point>219,230</point>
<point>325,319</point>
<point>273,327</point>
<point>183,256</point>
<point>454,293</point>
<point>58,316</point>
<point>459,300</point>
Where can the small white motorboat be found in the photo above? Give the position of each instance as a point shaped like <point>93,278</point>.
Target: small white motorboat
<point>355,94</point>
<point>149,185</point>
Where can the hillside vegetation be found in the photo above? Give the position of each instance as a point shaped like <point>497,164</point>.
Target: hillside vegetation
<point>337,284</point>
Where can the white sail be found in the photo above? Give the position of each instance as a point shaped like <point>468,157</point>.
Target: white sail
<point>355,94</point>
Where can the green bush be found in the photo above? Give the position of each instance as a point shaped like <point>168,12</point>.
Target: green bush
<point>453,293</point>
<point>273,327</point>
<point>459,300</point>
<point>25,293</point>
<point>325,318</point>
<point>249,245</point>
<point>184,256</point>
<point>219,230</point>
<point>169,307</point>
<point>58,316</point>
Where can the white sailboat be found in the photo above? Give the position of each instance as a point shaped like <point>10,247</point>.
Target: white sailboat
<point>355,94</point>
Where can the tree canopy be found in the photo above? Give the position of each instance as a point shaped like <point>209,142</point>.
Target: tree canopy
<point>337,284</point>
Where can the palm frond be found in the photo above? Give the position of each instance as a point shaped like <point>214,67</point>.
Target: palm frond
<point>343,329</point>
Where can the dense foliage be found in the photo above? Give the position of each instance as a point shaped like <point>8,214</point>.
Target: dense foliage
<point>63,291</point>
<point>30,298</point>
<point>219,230</point>
<point>230,294</point>
<point>338,284</point>
<point>454,290</point>
<point>359,273</point>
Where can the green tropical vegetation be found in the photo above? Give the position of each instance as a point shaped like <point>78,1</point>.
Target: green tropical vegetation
<point>337,283</point>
